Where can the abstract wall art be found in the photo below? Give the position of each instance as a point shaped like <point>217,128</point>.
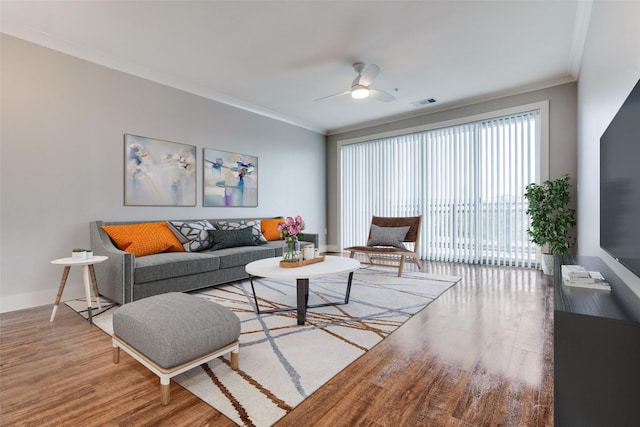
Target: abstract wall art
<point>229,179</point>
<point>158,173</point>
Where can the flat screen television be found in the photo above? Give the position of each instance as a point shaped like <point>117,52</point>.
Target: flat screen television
<point>620,184</point>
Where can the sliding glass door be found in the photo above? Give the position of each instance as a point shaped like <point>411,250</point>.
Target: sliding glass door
<point>467,181</point>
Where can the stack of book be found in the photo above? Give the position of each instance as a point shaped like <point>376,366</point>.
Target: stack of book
<point>578,276</point>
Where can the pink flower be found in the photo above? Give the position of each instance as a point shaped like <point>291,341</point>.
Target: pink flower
<point>291,227</point>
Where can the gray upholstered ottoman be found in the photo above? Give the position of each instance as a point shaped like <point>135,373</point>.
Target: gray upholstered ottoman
<point>174,332</point>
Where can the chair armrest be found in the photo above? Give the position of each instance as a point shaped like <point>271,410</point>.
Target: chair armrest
<point>115,275</point>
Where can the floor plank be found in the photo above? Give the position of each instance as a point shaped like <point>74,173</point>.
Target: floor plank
<point>479,355</point>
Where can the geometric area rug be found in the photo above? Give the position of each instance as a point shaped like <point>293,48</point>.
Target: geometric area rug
<point>282,363</point>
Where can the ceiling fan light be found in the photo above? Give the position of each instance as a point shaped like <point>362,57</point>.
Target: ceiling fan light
<point>359,92</point>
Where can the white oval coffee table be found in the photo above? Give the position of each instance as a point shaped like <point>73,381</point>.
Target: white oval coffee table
<point>270,268</point>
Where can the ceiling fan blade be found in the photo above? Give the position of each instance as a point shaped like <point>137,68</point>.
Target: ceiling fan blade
<point>381,95</point>
<point>334,95</point>
<point>369,74</point>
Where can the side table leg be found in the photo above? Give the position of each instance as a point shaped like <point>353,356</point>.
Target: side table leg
<point>65,274</point>
<point>94,283</point>
<point>87,290</point>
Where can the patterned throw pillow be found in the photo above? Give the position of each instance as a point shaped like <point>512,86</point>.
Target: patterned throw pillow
<point>242,223</point>
<point>144,238</point>
<point>193,235</point>
<point>387,236</point>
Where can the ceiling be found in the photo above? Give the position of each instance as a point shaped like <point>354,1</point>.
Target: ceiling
<point>276,57</point>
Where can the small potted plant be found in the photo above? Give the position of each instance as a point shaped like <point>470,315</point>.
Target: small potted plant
<point>551,219</point>
<point>78,254</point>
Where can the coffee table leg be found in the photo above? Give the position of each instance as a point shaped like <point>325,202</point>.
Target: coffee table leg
<point>327,304</point>
<point>255,299</point>
<point>346,295</point>
<point>302,298</point>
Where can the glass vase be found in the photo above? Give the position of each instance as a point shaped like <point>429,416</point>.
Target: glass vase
<point>291,249</point>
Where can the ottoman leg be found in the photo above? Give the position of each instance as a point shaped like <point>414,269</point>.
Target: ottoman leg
<point>234,360</point>
<point>164,390</point>
<point>116,354</point>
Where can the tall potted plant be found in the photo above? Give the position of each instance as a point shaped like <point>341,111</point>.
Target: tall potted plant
<point>551,218</point>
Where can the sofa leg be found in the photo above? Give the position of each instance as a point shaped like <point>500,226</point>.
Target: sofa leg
<point>116,354</point>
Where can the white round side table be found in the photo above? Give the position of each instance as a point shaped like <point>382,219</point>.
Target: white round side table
<point>88,276</point>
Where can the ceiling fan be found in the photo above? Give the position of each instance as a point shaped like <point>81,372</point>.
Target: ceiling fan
<point>360,86</point>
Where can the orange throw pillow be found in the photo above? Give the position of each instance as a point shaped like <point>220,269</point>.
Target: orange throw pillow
<point>144,239</point>
<point>269,228</point>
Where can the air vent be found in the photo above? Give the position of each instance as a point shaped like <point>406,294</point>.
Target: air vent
<point>423,102</point>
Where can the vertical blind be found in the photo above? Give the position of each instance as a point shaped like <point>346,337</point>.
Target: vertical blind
<point>467,181</point>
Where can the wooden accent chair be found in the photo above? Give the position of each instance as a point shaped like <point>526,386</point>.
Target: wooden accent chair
<point>379,252</point>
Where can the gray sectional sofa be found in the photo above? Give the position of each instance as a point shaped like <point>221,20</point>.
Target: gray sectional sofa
<point>125,277</point>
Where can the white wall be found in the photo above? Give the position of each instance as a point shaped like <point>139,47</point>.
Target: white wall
<point>63,121</point>
<point>610,68</point>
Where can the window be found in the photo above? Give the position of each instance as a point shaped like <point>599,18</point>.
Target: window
<point>466,179</point>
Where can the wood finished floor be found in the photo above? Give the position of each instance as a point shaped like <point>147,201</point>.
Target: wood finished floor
<point>480,355</point>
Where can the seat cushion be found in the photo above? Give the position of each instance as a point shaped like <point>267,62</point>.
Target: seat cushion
<point>243,255</point>
<point>175,328</point>
<point>173,264</point>
<point>377,249</point>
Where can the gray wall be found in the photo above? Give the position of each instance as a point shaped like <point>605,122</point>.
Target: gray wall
<point>562,138</point>
<point>610,68</point>
<point>63,121</point>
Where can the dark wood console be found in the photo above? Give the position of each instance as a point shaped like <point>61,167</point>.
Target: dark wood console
<point>596,351</point>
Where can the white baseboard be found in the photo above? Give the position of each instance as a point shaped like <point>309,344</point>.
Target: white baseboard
<point>333,248</point>
<point>34,299</point>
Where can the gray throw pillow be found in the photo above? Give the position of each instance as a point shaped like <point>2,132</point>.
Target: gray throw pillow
<point>232,238</point>
<point>242,223</point>
<point>387,236</point>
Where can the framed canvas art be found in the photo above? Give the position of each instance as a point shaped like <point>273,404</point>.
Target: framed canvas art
<point>229,179</point>
<point>158,173</point>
